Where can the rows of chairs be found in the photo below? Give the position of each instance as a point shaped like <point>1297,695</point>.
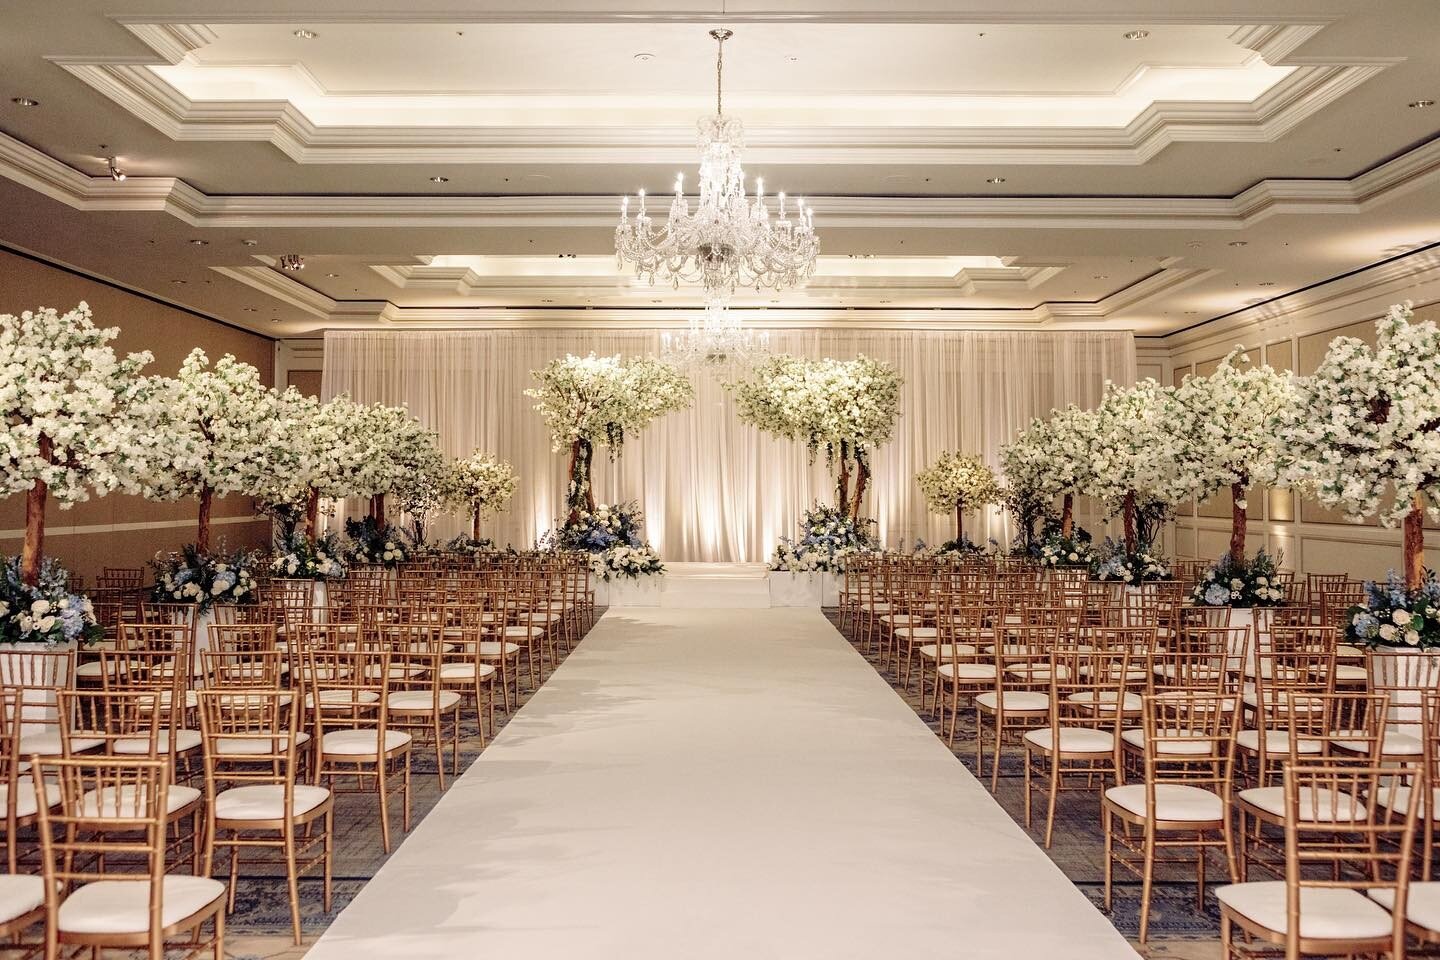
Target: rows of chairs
<point>187,743</point>
<point>1266,744</point>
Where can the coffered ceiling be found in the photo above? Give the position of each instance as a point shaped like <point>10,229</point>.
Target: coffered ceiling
<point>1140,165</point>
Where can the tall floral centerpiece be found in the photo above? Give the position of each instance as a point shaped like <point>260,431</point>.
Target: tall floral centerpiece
<point>215,418</point>
<point>422,491</point>
<point>1133,453</point>
<point>1049,460</point>
<point>599,400</point>
<point>407,446</point>
<point>282,461</point>
<point>1224,426</point>
<point>480,484</point>
<point>955,483</point>
<point>1363,435</point>
<point>78,419</point>
<point>845,407</point>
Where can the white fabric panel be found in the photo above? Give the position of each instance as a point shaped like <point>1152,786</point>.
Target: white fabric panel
<point>712,488</point>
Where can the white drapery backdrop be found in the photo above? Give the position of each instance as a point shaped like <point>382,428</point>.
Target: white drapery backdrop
<point>712,488</point>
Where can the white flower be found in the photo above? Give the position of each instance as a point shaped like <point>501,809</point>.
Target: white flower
<point>1400,616</point>
<point>39,608</point>
<point>1072,556</point>
<point>1387,632</point>
<point>1412,637</point>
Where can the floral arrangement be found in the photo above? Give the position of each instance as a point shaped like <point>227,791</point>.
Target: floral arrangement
<point>194,576</point>
<point>1058,550</point>
<point>964,546</point>
<point>368,542</point>
<point>846,407</point>
<point>467,544</point>
<point>300,559</point>
<point>955,483</point>
<point>1251,583</point>
<point>828,536</point>
<point>1397,615</point>
<point>1134,453</point>
<point>1113,563</point>
<point>46,612</point>
<point>479,484</point>
<point>612,536</point>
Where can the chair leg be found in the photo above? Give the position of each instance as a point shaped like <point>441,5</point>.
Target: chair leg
<point>405,806</point>
<point>439,736</point>
<point>384,804</point>
<point>1107,824</point>
<point>1147,880</point>
<point>1054,795</point>
<point>292,882</point>
<point>329,854</point>
<point>219,935</point>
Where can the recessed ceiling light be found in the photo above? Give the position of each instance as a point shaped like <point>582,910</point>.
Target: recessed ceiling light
<point>1267,283</point>
<point>274,319</point>
<point>304,34</point>
<point>792,59</point>
<point>251,309</point>
<point>200,243</point>
<point>1136,34</point>
<point>1420,104</point>
<point>1195,243</point>
<point>994,179</point>
<point>1191,313</point>
<point>547,301</point>
<point>25,101</point>
<point>1101,276</point>
<point>1238,243</point>
<point>332,276</point>
<point>439,179</point>
<point>179,281</point>
<point>643,57</point>
<point>250,243</point>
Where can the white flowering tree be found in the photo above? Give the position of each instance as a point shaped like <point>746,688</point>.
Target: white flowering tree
<point>78,419</point>
<point>282,460</point>
<point>402,442</point>
<point>955,483</point>
<point>598,400</point>
<point>215,418</point>
<point>480,484</point>
<point>1133,454</point>
<point>846,407</point>
<point>1363,431</point>
<point>1224,428</point>
<point>422,490</point>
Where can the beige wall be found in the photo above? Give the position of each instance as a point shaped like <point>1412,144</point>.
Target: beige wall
<point>118,530</point>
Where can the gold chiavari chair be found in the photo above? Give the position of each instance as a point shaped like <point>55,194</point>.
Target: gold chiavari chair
<point>1397,793</point>
<point>253,798</point>
<point>1020,698</point>
<point>93,895</point>
<point>966,672</point>
<point>37,677</point>
<point>418,701</point>
<point>464,669</point>
<point>1335,882</point>
<point>495,649</point>
<point>1280,678</point>
<point>22,802</point>
<point>1183,799</point>
<point>350,693</point>
<point>1078,739</point>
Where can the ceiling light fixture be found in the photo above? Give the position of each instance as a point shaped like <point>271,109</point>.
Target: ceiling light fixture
<point>1238,243</point>
<point>439,179</point>
<point>292,262</point>
<point>200,243</point>
<point>727,241</point>
<point>113,167</point>
<point>304,34</point>
<point>250,243</point>
<point>1267,283</point>
<point>1136,34</point>
<point>714,342</point>
<point>1420,104</point>
<point>644,57</point>
<point>333,276</point>
<point>994,179</point>
<point>25,101</point>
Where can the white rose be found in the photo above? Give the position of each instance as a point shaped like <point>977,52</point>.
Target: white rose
<point>39,608</point>
<point>1401,617</point>
<point>45,624</point>
<point>1236,583</point>
<point>1387,632</point>
<point>1412,637</point>
<point>1074,556</point>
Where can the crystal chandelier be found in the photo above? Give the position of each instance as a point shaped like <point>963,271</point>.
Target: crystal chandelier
<point>715,342</point>
<point>727,241</point>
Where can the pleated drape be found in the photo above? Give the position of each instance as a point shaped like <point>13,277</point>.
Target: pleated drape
<point>712,488</point>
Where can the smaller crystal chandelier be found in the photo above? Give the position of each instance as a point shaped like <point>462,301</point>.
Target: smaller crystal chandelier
<point>292,262</point>
<point>714,342</point>
<point>727,241</point>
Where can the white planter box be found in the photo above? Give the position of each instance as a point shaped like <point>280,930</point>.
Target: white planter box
<point>628,592</point>
<point>804,589</point>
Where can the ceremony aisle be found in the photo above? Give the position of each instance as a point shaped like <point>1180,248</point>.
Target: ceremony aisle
<point>718,783</point>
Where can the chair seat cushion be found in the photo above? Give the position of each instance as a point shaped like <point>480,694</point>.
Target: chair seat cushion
<point>184,740</point>
<point>1276,741</point>
<point>25,796</point>
<point>1181,746</point>
<point>1104,700</point>
<point>466,671</point>
<point>1016,701</point>
<point>491,648</point>
<point>1173,801</point>
<point>361,743</point>
<point>342,698</point>
<point>1394,744</point>
<point>967,671</point>
<point>523,630</point>
<point>916,633</point>
<point>1072,739</point>
<point>266,801</point>
<point>19,894</point>
<point>46,743</point>
<point>123,906</point>
<point>1316,806</point>
<point>111,803</point>
<point>421,701</point>
<point>1398,797</point>
<point>932,651</point>
<point>245,746</point>
<point>1422,906</point>
<point>1325,914</point>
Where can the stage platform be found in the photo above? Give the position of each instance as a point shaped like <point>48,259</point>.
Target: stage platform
<point>712,586</point>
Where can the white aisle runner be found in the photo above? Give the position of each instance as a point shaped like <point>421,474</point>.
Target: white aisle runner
<point>718,784</point>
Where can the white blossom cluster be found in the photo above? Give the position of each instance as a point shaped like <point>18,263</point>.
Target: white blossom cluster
<point>601,399</point>
<point>60,380</point>
<point>1224,425</point>
<point>1134,450</point>
<point>958,481</point>
<point>1052,457</point>
<point>1363,432</point>
<point>480,482</point>
<point>822,403</point>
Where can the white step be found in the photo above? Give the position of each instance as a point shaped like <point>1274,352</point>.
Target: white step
<point>715,585</point>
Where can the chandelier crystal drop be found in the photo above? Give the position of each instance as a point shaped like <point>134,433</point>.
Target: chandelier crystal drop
<point>714,342</point>
<point>727,241</point>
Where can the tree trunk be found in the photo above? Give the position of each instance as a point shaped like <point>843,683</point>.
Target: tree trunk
<point>580,492</point>
<point>377,510</point>
<point>1237,524</point>
<point>475,521</point>
<point>1129,512</point>
<point>862,480</point>
<point>1415,544</point>
<point>959,521</point>
<point>842,486</point>
<point>312,515</point>
<point>33,551</point>
<point>202,534</point>
<point>1067,516</point>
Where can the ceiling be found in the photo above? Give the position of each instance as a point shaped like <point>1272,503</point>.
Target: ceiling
<point>1051,165</point>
